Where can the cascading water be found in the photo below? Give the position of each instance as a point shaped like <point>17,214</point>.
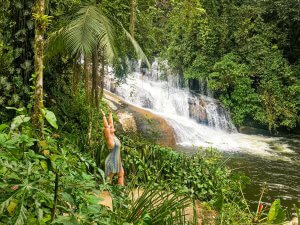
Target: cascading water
<point>198,120</point>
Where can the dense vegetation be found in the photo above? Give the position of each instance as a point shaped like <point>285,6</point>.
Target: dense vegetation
<point>247,51</point>
<point>53,58</point>
<point>61,183</point>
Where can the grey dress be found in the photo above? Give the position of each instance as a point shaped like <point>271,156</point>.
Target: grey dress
<point>113,162</point>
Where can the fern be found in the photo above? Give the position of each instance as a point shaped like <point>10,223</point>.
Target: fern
<point>4,205</point>
<point>22,214</point>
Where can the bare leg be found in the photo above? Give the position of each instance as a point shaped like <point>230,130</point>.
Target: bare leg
<point>110,177</point>
<point>121,177</point>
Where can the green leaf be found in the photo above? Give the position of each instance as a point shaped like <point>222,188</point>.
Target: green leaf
<point>68,198</point>
<point>12,206</point>
<point>276,214</point>
<point>18,121</point>
<point>50,117</point>
<point>219,202</point>
<point>44,165</point>
<point>298,213</point>
<point>18,110</point>
<point>66,220</point>
<point>3,126</point>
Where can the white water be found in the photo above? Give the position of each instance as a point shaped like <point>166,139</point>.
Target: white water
<point>172,103</point>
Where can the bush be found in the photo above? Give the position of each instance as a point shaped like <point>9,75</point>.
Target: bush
<point>202,176</point>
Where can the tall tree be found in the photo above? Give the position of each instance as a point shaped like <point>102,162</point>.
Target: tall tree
<point>40,26</point>
<point>90,33</point>
<point>132,17</point>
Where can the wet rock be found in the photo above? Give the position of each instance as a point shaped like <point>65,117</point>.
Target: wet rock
<point>197,110</point>
<point>127,121</point>
<point>253,130</point>
<point>147,102</point>
<point>137,120</point>
<point>210,112</point>
<point>112,105</point>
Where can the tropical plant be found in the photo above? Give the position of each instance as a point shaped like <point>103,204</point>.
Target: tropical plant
<point>87,34</point>
<point>37,186</point>
<point>151,206</point>
<point>201,176</point>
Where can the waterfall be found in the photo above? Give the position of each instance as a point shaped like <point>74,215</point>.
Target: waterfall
<point>165,96</point>
<point>198,120</point>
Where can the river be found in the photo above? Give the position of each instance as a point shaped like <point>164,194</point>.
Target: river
<point>199,121</point>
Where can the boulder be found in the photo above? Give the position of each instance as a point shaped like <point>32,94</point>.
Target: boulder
<point>132,119</point>
<point>197,110</point>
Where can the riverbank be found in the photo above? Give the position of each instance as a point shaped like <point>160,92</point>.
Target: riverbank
<point>262,157</point>
<point>66,179</point>
<point>63,169</point>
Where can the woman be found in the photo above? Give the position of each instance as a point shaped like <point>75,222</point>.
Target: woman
<point>113,164</point>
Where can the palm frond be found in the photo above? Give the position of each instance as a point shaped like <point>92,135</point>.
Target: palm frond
<point>5,203</point>
<point>88,29</point>
<point>140,53</point>
<point>106,37</point>
<point>81,34</point>
<point>22,215</point>
<point>55,44</point>
<point>161,206</point>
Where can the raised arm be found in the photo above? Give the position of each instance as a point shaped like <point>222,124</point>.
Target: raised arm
<point>105,123</point>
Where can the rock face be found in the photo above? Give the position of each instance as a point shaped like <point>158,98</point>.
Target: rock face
<point>136,120</point>
<point>197,110</point>
<point>210,112</point>
<point>127,121</point>
<point>253,130</point>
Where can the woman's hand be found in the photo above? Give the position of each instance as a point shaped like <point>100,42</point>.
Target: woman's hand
<point>103,113</point>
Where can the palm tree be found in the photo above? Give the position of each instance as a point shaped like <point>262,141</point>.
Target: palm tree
<point>91,34</point>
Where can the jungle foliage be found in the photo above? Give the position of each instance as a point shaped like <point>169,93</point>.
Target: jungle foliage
<point>60,183</point>
<point>247,52</point>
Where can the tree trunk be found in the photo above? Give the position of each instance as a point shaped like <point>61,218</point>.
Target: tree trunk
<point>95,74</point>
<point>90,127</point>
<point>102,74</point>
<point>75,77</point>
<point>86,73</point>
<point>55,197</point>
<point>38,66</point>
<point>132,17</point>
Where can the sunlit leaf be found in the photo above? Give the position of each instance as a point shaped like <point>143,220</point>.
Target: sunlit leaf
<point>276,214</point>
<point>50,117</point>
<point>18,121</point>
<point>12,206</point>
<point>3,126</point>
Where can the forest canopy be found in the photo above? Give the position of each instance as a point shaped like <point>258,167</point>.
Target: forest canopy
<point>247,52</point>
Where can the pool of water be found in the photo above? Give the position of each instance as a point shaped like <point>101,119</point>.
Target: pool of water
<point>279,171</point>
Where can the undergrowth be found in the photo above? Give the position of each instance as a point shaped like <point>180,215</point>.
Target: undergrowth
<point>57,180</point>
